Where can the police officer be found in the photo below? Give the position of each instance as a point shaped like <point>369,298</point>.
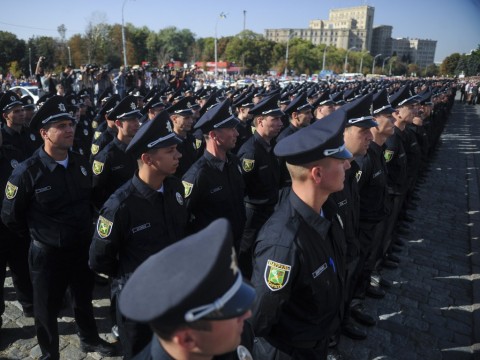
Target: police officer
<point>261,172</point>
<point>323,106</point>
<point>243,105</point>
<point>214,186</point>
<point>112,167</point>
<point>202,312</point>
<point>14,131</point>
<point>298,269</point>
<point>14,246</point>
<point>181,116</point>
<point>48,195</point>
<point>142,217</point>
<point>300,112</point>
<point>153,106</point>
<point>106,130</point>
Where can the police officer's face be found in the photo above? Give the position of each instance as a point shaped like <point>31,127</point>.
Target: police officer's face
<point>182,123</point>
<point>357,140</point>
<point>15,117</point>
<point>224,336</point>
<point>129,127</point>
<point>333,174</point>
<point>385,123</point>
<point>164,161</point>
<point>406,113</point>
<point>304,117</point>
<point>271,125</point>
<point>59,134</point>
<point>226,138</point>
<point>324,110</point>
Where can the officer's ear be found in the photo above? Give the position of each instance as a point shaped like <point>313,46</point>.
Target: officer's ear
<point>146,158</point>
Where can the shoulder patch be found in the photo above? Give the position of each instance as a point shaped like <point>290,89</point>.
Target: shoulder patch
<point>276,275</point>
<point>94,124</point>
<point>248,165</point>
<point>10,191</point>
<point>388,155</point>
<point>94,149</point>
<point>198,144</point>
<point>97,134</point>
<point>188,188</point>
<point>97,167</point>
<point>104,227</point>
<point>358,175</point>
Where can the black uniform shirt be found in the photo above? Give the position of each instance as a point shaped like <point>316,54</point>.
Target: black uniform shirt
<point>413,151</point>
<point>25,140</point>
<point>396,160</point>
<point>103,139</point>
<point>111,168</point>
<point>215,189</point>
<point>298,276</point>
<point>245,132</point>
<point>260,170</point>
<point>52,201</point>
<point>189,153</point>
<point>137,222</point>
<point>373,185</point>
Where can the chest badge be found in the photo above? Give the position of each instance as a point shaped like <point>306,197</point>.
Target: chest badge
<point>179,198</point>
<point>276,275</point>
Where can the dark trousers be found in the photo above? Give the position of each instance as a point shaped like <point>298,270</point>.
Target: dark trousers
<point>53,270</point>
<point>396,202</point>
<point>134,336</point>
<point>14,253</point>
<point>262,349</point>
<point>257,216</point>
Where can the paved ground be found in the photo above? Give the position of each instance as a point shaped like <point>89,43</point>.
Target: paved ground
<point>432,312</point>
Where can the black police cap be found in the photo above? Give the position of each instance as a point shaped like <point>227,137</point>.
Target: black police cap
<point>9,100</point>
<point>195,278</point>
<point>322,139</point>
<point>268,106</point>
<point>182,107</point>
<point>218,117</point>
<point>403,97</point>
<point>323,99</point>
<point>298,104</point>
<point>154,134</point>
<point>109,105</point>
<point>105,94</point>
<point>381,105</point>
<point>359,112</point>
<point>27,102</point>
<point>125,109</point>
<point>153,102</point>
<point>53,110</point>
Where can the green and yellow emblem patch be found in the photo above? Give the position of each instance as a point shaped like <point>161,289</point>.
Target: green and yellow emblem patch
<point>358,175</point>
<point>248,165</point>
<point>94,149</point>
<point>388,155</point>
<point>188,188</point>
<point>198,144</point>
<point>276,275</point>
<point>97,134</point>
<point>10,190</point>
<point>97,167</point>
<point>104,227</point>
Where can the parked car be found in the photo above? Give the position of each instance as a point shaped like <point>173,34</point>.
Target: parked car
<point>28,90</point>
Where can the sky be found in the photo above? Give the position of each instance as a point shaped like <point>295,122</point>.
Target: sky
<point>455,24</point>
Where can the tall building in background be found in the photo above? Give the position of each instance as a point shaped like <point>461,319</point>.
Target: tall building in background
<point>353,27</point>
<point>345,28</point>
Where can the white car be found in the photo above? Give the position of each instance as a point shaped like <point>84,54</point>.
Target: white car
<point>28,90</point>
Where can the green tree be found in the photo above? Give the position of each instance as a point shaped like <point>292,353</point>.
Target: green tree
<point>11,49</point>
<point>449,64</point>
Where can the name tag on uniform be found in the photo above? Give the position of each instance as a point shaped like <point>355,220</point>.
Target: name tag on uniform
<point>214,190</point>
<point>117,167</point>
<point>401,155</point>
<point>320,270</point>
<point>263,167</point>
<point>141,227</point>
<point>376,174</point>
<point>46,188</point>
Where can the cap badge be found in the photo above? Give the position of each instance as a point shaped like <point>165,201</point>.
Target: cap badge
<point>276,275</point>
<point>13,98</point>
<point>234,264</point>
<point>61,107</point>
<point>133,106</point>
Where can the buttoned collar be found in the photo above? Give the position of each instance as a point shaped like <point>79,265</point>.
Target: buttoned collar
<point>146,191</point>
<point>262,142</point>
<point>49,162</point>
<point>214,161</point>
<point>317,222</point>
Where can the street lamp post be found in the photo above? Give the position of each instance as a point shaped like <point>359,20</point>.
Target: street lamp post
<point>290,35</point>
<point>390,69</point>
<point>383,65</point>
<point>346,58</point>
<point>30,60</point>
<point>361,61</point>
<point>123,37</point>
<point>373,64</point>
<point>222,16</point>
<point>69,56</point>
